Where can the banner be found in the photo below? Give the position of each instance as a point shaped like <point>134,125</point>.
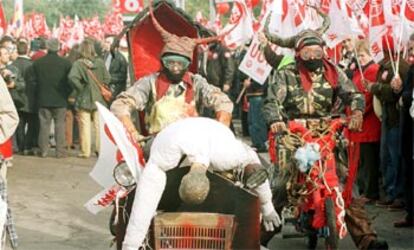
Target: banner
<point>105,198</point>
<point>128,6</point>
<point>254,63</point>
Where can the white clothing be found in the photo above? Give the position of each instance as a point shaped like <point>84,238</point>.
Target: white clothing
<point>8,114</point>
<point>204,141</point>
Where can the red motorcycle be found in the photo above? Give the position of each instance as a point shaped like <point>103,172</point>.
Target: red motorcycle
<point>316,205</point>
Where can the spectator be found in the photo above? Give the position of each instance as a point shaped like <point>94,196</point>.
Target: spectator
<point>390,140</point>
<point>368,139</point>
<point>51,72</point>
<point>41,50</point>
<point>15,84</point>
<point>8,123</point>
<point>116,64</point>
<point>72,133</point>
<point>85,74</point>
<point>407,141</point>
<point>28,114</point>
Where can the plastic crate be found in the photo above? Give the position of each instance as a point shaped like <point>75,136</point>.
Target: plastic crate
<point>193,231</point>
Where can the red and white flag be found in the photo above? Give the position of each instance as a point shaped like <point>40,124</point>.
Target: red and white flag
<point>377,29</point>
<point>113,24</point>
<point>240,16</point>
<point>116,146</point>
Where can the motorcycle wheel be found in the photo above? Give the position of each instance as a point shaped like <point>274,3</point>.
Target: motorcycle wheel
<point>331,242</point>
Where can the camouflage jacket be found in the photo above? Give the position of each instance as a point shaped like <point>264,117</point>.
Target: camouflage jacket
<point>286,98</point>
<point>140,96</point>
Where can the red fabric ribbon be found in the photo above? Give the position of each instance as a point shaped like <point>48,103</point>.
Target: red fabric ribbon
<point>330,74</point>
<point>353,161</point>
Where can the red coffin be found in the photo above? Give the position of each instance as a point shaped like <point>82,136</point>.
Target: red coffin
<point>145,43</point>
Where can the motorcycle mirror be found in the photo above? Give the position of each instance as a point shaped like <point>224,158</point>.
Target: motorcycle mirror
<point>123,175</point>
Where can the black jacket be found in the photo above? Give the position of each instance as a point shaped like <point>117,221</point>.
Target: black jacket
<point>51,73</point>
<point>24,64</point>
<point>118,70</point>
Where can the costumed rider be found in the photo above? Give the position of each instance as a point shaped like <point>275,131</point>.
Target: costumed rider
<point>210,146</point>
<point>174,92</point>
<point>312,87</point>
<point>169,95</point>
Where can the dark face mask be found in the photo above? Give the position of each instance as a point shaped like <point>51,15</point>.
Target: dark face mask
<point>313,64</point>
<point>174,77</point>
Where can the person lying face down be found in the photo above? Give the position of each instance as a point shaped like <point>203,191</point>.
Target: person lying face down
<point>207,143</point>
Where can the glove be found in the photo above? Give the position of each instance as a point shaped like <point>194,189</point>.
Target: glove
<point>271,221</point>
<point>278,127</point>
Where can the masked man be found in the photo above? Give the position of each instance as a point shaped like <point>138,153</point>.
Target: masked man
<point>212,145</point>
<point>312,88</point>
<point>171,94</point>
<point>174,92</point>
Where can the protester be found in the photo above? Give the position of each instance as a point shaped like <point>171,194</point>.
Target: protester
<point>41,49</point>
<point>72,125</point>
<point>88,73</point>
<point>27,139</point>
<point>390,140</point>
<point>8,123</point>
<point>171,94</point>
<point>51,74</point>
<point>368,138</point>
<point>216,148</point>
<point>308,89</point>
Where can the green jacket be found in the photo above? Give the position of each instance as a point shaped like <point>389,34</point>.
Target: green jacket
<point>87,90</point>
<point>286,98</point>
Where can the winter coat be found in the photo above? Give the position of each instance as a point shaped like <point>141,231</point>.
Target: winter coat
<point>8,114</point>
<point>24,64</point>
<point>382,89</point>
<point>18,92</point>
<point>87,89</point>
<point>51,74</point>
<point>220,66</point>
<point>118,70</point>
<point>371,127</point>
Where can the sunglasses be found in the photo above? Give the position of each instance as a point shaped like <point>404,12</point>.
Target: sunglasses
<point>307,54</point>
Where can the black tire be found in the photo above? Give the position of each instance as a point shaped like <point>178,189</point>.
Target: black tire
<point>331,242</point>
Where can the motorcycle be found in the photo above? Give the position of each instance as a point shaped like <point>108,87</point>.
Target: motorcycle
<point>315,202</point>
<point>229,218</point>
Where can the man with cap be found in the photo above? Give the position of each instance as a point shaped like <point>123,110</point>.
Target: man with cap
<point>53,88</point>
<point>215,148</point>
<point>311,88</point>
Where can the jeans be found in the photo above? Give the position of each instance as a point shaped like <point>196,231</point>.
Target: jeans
<point>390,157</point>
<point>257,124</point>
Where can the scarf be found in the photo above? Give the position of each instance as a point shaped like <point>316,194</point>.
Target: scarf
<point>162,84</point>
<point>330,74</point>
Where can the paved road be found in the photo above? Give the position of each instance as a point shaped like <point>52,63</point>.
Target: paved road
<point>47,197</point>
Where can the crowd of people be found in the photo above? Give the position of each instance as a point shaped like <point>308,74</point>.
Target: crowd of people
<point>47,86</point>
